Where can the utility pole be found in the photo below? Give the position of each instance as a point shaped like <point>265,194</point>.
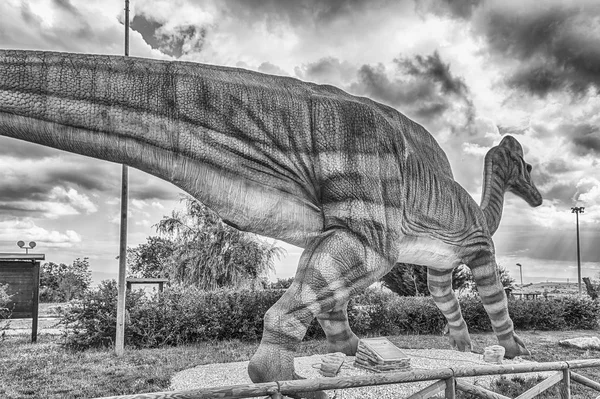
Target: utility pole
<point>120,333</point>
<point>577,210</point>
<point>521,271</point>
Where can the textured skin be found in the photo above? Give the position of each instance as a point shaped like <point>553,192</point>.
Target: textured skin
<point>354,182</point>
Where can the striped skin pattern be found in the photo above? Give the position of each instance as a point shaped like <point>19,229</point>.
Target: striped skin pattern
<point>355,183</point>
<point>504,170</point>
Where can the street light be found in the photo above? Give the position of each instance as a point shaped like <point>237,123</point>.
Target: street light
<point>21,244</point>
<point>521,271</point>
<point>577,210</point>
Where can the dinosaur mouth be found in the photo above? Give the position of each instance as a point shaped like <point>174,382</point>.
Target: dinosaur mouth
<point>535,199</point>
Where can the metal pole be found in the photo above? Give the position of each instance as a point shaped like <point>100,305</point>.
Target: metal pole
<point>578,254</point>
<point>120,333</point>
<point>577,210</point>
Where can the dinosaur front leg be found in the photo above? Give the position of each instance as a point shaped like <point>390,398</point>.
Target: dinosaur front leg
<point>440,287</point>
<point>340,337</point>
<point>494,301</point>
<point>333,267</point>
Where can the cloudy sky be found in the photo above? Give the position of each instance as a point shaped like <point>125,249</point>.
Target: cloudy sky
<point>470,71</point>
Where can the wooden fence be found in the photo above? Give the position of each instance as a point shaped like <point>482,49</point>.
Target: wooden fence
<point>445,380</point>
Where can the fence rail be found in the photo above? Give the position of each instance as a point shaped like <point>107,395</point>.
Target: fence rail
<point>445,380</point>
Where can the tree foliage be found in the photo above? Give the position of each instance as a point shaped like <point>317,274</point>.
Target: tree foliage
<point>197,248</point>
<point>411,280</point>
<point>60,282</point>
<point>152,259</point>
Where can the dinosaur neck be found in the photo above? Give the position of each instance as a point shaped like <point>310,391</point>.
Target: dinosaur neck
<point>495,176</point>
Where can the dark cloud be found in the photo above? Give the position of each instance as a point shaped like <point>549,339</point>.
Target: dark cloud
<point>36,181</point>
<point>145,187</point>
<point>585,139</point>
<point>557,47</point>
<point>24,150</point>
<point>432,67</point>
<point>297,13</point>
<point>267,67</point>
<point>68,23</point>
<point>66,5</point>
<point>462,9</point>
<point>23,191</point>
<point>562,192</point>
<point>512,130</point>
<point>536,79</point>
<point>424,87</point>
<point>182,40</point>
<point>558,166</point>
<point>556,44</point>
<point>92,176</point>
<point>328,70</point>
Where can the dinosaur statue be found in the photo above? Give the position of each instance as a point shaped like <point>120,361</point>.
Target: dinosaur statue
<point>504,170</point>
<point>355,183</point>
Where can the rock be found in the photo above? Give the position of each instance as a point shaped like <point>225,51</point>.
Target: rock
<point>582,342</point>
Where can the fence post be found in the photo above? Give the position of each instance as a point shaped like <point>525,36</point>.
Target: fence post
<point>450,392</point>
<point>565,385</point>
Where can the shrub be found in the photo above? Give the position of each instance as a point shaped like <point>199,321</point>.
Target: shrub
<point>91,320</point>
<point>4,300</point>
<point>185,315</point>
<point>581,313</point>
<point>5,311</point>
<point>537,314</point>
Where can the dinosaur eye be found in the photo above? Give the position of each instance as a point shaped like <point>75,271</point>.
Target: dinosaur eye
<point>528,167</point>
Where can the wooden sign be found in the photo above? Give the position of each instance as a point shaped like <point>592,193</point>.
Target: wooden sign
<point>21,272</point>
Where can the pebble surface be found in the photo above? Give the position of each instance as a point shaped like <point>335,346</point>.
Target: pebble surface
<point>222,374</point>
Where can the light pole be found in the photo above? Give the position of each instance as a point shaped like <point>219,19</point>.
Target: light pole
<point>521,272</point>
<point>577,210</point>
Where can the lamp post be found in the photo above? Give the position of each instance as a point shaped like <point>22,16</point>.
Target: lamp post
<point>521,272</point>
<point>577,210</point>
<point>120,328</point>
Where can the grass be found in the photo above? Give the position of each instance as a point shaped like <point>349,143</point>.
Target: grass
<point>48,370</point>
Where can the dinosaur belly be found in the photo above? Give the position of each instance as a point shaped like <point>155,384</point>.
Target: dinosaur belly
<point>248,205</point>
<point>429,252</point>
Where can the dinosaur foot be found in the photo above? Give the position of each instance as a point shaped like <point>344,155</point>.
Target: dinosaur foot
<point>460,339</point>
<point>347,346</point>
<point>514,346</point>
<point>274,363</point>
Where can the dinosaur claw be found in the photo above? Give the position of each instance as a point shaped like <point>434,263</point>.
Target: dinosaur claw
<point>515,347</point>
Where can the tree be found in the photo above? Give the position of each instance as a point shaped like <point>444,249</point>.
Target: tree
<point>505,278</point>
<point>210,254</point>
<point>152,259</point>
<point>60,282</point>
<point>411,280</point>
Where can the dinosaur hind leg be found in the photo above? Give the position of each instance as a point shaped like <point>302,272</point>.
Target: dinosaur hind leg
<point>485,273</point>
<point>440,287</point>
<point>340,337</point>
<point>334,266</point>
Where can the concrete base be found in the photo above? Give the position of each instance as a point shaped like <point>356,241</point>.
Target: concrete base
<point>224,374</point>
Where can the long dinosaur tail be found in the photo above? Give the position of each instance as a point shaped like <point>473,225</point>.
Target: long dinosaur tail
<point>100,106</point>
<point>224,135</point>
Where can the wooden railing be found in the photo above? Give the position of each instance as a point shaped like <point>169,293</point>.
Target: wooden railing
<point>446,380</point>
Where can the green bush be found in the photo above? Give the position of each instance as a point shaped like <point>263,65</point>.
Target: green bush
<point>91,321</point>
<point>581,313</point>
<point>186,315</point>
<point>4,301</point>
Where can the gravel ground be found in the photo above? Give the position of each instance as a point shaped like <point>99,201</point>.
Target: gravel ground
<point>222,374</point>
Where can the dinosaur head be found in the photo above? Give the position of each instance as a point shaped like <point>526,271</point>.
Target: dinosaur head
<point>519,182</point>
